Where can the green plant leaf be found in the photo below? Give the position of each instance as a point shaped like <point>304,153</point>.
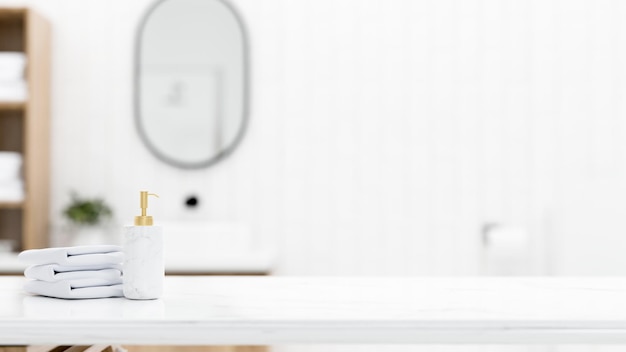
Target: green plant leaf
<point>87,211</point>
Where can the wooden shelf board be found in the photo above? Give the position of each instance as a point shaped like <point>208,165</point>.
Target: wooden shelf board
<point>12,105</point>
<point>12,13</point>
<point>11,205</point>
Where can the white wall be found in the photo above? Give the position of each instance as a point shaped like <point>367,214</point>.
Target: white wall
<point>383,134</point>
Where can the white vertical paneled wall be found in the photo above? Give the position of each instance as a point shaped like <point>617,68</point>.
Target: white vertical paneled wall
<point>383,134</point>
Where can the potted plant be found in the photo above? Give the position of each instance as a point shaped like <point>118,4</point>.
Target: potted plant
<point>87,220</point>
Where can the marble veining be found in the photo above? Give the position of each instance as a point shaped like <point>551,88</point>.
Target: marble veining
<point>275,310</point>
<point>143,262</point>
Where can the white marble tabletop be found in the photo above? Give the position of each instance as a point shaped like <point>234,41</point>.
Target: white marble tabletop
<point>277,310</point>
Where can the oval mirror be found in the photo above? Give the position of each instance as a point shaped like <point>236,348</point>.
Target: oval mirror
<point>191,81</point>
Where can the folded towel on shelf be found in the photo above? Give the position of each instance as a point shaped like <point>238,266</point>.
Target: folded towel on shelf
<point>74,256</point>
<point>10,166</point>
<point>55,272</point>
<point>64,289</point>
<point>13,91</point>
<point>12,191</point>
<point>12,66</point>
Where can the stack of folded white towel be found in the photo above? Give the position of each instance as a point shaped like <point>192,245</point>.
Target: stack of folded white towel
<point>11,184</point>
<point>74,272</point>
<point>12,83</point>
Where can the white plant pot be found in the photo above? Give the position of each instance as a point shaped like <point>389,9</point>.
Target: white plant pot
<point>85,235</point>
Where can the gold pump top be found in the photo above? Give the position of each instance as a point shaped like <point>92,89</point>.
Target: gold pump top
<point>143,219</point>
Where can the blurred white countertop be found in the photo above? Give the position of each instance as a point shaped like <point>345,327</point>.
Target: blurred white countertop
<point>251,310</point>
<point>249,262</point>
<point>9,264</point>
<point>237,262</point>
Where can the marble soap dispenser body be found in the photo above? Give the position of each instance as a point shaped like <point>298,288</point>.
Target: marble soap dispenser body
<point>143,257</point>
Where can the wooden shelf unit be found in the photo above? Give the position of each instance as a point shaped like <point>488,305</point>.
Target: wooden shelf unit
<point>10,106</point>
<point>24,128</point>
<point>11,205</point>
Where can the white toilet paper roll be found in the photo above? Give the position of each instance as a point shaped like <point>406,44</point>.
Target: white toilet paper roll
<point>506,251</point>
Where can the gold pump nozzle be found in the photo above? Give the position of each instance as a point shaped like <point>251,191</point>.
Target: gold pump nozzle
<point>143,219</point>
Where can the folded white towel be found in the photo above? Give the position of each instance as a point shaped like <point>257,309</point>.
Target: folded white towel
<point>89,282</point>
<point>10,166</point>
<point>55,272</point>
<point>12,191</point>
<point>74,256</point>
<point>64,289</point>
<point>12,65</point>
<point>15,91</point>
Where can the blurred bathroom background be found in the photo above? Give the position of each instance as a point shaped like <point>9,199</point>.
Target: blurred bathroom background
<point>395,137</point>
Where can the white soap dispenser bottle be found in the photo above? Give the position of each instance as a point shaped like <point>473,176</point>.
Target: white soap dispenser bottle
<point>143,256</point>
